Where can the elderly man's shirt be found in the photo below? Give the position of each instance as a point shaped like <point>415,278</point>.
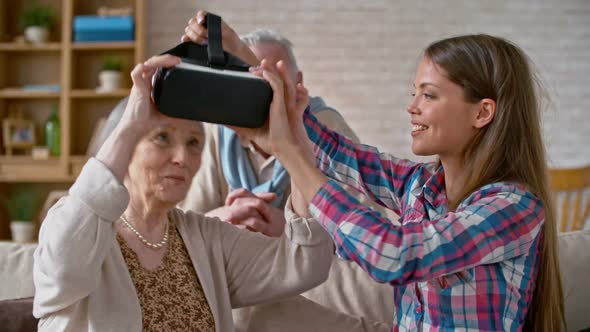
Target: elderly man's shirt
<point>209,186</point>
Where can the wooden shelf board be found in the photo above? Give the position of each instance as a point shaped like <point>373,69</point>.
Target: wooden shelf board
<point>27,169</point>
<point>93,94</point>
<point>4,159</point>
<point>11,178</point>
<point>94,46</point>
<point>78,158</point>
<point>21,47</point>
<point>21,93</point>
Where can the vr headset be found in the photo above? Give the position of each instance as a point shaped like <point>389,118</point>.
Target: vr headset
<point>211,85</point>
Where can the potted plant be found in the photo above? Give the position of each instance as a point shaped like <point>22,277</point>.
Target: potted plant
<point>36,21</point>
<point>110,75</point>
<point>21,207</point>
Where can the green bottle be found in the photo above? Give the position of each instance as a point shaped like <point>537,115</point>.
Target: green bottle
<point>52,132</point>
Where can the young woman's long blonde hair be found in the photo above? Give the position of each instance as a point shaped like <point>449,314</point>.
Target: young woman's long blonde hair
<point>510,148</point>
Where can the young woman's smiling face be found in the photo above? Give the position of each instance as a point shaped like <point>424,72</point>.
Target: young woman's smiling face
<point>166,159</point>
<point>442,121</point>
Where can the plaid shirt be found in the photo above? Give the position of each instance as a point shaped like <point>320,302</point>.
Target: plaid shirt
<point>471,269</point>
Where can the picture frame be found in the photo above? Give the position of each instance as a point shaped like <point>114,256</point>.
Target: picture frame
<point>18,134</point>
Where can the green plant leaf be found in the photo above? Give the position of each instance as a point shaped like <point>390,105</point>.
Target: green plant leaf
<point>37,15</point>
<point>21,205</point>
<point>112,63</point>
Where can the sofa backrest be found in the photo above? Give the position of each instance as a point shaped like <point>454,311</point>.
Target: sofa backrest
<point>16,270</point>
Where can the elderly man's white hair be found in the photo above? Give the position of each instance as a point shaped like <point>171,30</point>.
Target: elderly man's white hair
<point>264,36</point>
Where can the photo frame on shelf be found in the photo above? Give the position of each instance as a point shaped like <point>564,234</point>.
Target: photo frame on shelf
<point>18,134</point>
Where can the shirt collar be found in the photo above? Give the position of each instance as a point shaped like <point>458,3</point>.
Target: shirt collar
<point>433,190</point>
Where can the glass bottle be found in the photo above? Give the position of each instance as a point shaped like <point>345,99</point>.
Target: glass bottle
<point>52,132</point>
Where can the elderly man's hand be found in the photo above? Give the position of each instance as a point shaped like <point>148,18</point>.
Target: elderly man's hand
<point>196,32</point>
<point>253,212</point>
<point>274,217</point>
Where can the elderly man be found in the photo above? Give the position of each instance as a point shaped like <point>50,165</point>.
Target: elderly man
<point>238,181</point>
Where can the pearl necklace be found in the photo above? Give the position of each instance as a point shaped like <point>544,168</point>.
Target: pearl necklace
<point>151,245</point>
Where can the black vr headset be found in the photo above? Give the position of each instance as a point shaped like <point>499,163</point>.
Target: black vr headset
<point>211,85</point>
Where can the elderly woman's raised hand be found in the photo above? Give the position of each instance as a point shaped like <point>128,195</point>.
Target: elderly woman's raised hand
<point>138,119</point>
<point>140,111</point>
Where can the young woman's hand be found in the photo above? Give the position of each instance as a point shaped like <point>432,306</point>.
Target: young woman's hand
<point>284,127</point>
<point>196,32</point>
<point>296,106</point>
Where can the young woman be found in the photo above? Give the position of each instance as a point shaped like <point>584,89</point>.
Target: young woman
<point>477,245</point>
<point>476,249</point>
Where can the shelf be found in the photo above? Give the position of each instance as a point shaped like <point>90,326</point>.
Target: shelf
<point>97,46</point>
<point>23,47</point>
<point>93,94</point>
<point>26,169</point>
<point>17,93</point>
<point>76,164</point>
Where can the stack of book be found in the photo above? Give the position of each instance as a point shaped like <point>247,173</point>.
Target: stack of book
<point>89,28</point>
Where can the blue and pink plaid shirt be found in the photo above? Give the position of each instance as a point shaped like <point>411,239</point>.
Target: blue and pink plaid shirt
<point>471,269</point>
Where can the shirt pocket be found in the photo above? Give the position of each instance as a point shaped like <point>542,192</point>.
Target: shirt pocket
<point>411,215</point>
<point>446,283</point>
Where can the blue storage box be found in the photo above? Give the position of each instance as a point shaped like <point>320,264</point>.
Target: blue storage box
<point>97,28</point>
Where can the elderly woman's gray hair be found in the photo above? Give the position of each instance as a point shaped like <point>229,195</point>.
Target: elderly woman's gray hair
<point>109,126</point>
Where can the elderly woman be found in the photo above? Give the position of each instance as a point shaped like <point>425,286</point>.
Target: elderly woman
<point>115,255</point>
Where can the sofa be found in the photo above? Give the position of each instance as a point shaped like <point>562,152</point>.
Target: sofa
<point>347,301</point>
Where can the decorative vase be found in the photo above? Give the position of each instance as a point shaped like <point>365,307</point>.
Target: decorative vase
<point>53,132</point>
<point>110,80</point>
<point>22,231</point>
<point>36,34</point>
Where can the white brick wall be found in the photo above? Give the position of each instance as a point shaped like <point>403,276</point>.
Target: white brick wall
<point>361,55</point>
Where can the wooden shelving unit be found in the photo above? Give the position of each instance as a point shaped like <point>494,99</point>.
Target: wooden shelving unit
<point>74,66</point>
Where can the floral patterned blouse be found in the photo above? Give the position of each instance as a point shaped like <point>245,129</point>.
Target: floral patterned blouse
<point>171,296</point>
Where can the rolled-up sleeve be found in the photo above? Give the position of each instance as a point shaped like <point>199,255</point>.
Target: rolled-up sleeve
<point>261,268</point>
<point>75,238</point>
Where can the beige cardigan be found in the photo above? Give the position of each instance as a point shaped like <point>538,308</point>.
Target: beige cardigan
<point>82,282</point>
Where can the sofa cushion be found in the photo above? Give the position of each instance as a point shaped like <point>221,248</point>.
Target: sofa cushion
<point>16,270</point>
<point>574,255</point>
<point>17,315</point>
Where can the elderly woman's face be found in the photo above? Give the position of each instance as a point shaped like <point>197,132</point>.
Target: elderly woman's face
<point>166,159</point>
